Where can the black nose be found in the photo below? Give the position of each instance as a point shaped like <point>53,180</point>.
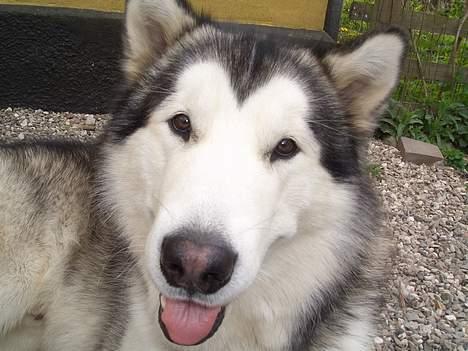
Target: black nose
<point>197,264</point>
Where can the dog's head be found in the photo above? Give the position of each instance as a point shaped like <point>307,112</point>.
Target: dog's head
<point>223,145</point>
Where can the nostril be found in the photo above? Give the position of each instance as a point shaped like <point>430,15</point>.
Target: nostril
<point>211,277</point>
<point>193,263</point>
<point>175,268</point>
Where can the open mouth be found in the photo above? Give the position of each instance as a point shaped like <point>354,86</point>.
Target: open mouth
<point>188,323</point>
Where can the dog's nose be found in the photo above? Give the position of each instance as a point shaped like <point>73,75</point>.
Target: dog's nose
<point>195,264</point>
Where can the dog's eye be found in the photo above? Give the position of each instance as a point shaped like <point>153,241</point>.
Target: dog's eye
<point>285,149</point>
<point>180,125</point>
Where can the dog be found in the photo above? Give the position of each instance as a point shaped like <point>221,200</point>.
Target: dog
<point>226,206</point>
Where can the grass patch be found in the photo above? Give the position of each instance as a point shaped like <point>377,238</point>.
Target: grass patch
<point>375,170</point>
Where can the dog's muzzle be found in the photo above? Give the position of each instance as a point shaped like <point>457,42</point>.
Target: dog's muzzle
<point>198,264</point>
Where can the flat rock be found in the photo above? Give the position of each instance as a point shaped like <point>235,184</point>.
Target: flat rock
<point>419,152</point>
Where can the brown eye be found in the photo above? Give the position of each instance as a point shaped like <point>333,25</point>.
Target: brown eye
<point>180,125</point>
<point>285,149</point>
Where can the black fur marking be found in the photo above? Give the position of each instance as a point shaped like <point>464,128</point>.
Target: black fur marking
<point>251,62</point>
<point>129,113</point>
<point>320,312</point>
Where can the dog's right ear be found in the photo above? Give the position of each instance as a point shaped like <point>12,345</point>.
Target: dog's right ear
<point>151,26</point>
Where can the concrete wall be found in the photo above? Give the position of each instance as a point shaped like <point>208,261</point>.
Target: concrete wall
<point>298,14</point>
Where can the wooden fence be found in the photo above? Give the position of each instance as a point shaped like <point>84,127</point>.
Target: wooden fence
<point>385,12</point>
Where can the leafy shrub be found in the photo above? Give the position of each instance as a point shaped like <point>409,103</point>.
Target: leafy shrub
<point>455,158</point>
<point>375,170</point>
<point>398,121</point>
<point>444,123</point>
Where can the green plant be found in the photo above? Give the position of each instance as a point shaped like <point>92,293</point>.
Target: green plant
<point>444,123</point>
<point>375,170</point>
<point>447,123</point>
<point>398,121</point>
<point>455,158</point>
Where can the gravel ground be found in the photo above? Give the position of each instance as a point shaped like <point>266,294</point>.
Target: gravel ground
<point>426,207</point>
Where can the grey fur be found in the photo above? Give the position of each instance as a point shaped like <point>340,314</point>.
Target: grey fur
<point>71,279</point>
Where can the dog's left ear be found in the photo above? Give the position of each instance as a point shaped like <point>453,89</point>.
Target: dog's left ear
<point>151,27</point>
<point>365,73</point>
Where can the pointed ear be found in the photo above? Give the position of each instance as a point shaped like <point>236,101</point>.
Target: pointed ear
<point>151,26</point>
<point>365,74</point>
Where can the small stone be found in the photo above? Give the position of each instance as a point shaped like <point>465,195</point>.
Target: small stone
<point>419,152</point>
<point>378,340</point>
<point>20,136</point>
<point>24,123</point>
<point>412,316</point>
<point>446,297</point>
<point>412,326</point>
<point>90,121</point>
<point>88,127</point>
<point>451,317</point>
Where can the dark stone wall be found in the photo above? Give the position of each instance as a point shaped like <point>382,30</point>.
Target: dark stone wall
<point>58,59</point>
<point>68,60</point>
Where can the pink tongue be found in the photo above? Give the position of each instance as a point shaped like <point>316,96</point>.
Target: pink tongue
<point>188,323</point>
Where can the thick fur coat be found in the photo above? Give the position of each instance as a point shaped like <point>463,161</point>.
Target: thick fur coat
<point>253,145</point>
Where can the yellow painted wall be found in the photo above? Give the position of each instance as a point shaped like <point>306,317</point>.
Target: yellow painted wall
<point>99,5</point>
<point>307,14</point>
<point>304,14</point>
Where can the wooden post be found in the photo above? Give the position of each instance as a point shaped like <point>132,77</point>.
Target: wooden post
<point>387,12</point>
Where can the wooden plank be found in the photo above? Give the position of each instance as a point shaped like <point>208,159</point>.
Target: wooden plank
<point>433,71</point>
<point>382,13</point>
<point>360,11</point>
<point>432,23</point>
<point>294,14</point>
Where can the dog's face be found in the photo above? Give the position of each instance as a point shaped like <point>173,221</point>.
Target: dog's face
<point>222,145</point>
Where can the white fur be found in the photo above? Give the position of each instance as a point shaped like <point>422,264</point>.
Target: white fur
<point>151,27</point>
<point>375,67</point>
<point>24,337</point>
<point>224,178</point>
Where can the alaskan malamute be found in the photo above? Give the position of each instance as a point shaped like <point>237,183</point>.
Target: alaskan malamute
<point>226,207</point>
